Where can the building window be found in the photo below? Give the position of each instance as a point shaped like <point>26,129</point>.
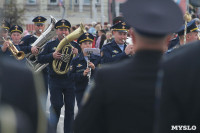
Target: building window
<point>53,2</point>
<point>7,2</point>
<point>87,2</point>
<point>31,1</point>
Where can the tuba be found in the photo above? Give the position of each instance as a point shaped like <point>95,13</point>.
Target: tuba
<point>19,55</point>
<point>61,66</point>
<point>49,33</point>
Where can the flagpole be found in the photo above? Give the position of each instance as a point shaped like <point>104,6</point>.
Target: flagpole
<point>187,18</point>
<point>63,15</point>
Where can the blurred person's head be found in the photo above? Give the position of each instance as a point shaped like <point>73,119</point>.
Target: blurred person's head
<point>4,28</point>
<point>151,28</point>
<point>192,32</point>
<point>108,35</point>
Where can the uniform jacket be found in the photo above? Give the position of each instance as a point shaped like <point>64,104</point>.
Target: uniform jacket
<point>180,90</point>
<point>25,44</point>
<point>46,56</point>
<point>112,53</point>
<point>77,67</point>
<point>122,101</point>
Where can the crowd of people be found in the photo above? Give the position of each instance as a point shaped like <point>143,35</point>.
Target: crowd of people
<point>138,75</point>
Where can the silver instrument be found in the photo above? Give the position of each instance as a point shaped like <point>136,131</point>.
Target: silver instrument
<point>90,51</point>
<point>48,34</point>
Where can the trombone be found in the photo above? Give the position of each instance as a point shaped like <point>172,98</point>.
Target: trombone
<point>19,55</point>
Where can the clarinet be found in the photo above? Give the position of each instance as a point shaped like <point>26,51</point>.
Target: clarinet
<point>89,73</point>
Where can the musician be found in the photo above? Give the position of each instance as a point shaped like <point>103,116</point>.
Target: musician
<point>15,34</point>
<point>61,85</point>
<point>191,35</point>
<point>117,49</point>
<point>123,97</point>
<point>79,69</point>
<point>30,39</point>
<point>25,44</point>
<point>4,28</point>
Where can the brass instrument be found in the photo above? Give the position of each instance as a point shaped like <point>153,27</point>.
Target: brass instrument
<point>48,34</point>
<point>19,55</point>
<point>65,48</point>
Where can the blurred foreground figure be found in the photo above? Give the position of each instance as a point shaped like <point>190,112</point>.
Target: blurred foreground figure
<point>20,99</point>
<point>179,107</point>
<point>123,98</point>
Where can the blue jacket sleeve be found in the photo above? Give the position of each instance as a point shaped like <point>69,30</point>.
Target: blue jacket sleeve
<point>26,49</point>
<point>45,56</point>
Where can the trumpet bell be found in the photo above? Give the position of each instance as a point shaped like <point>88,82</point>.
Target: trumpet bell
<point>20,55</point>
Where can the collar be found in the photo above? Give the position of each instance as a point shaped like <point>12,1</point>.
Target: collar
<point>114,44</point>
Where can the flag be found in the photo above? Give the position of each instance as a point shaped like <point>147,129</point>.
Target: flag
<point>60,3</point>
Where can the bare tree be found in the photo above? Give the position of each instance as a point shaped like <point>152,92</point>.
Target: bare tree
<point>13,14</point>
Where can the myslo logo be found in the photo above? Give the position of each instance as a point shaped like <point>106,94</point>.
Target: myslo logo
<point>183,127</point>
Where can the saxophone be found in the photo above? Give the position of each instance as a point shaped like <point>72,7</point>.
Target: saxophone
<point>62,66</point>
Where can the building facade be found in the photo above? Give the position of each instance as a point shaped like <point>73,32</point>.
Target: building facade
<point>76,11</point>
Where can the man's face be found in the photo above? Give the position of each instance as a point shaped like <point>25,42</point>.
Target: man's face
<point>4,33</point>
<point>120,37</point>
<point>192,36</point>
<point>86,44</point>
<point>39,28</point>
<point>62,32</point>
<point>16,37</point>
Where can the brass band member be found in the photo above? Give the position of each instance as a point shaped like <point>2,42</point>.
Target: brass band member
<point>26,42</point>
<point>117,49</point>
<point>4,28</point>
<point>15,34</point>
<point>80,66</point>
<point>61,85</point>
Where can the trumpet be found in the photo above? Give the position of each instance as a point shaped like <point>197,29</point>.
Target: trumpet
<point>19,55</point>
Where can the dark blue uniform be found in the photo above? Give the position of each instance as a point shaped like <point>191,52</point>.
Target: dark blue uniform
<point>112,53</point>
<point>19,91</point>
<point>26,47</point>
<point>77,67</point>
<point>8,53</point>
<point>59,85</point>
<point>25,44</point>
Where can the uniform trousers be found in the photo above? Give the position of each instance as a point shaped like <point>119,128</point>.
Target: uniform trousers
<point>61,93</point>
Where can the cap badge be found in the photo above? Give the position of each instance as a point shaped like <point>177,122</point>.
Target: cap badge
<point>16,27</point>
